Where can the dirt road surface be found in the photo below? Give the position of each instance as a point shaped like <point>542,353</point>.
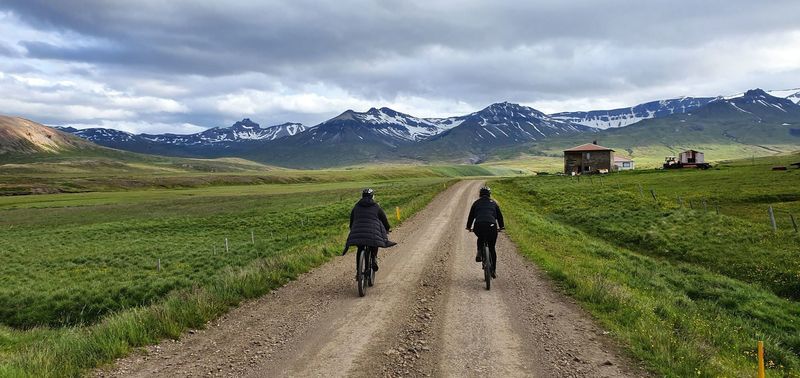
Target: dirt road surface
<point>429,314</point>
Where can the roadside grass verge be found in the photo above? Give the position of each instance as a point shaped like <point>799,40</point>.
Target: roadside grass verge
<point>686,291</point>
<point>194,285</point>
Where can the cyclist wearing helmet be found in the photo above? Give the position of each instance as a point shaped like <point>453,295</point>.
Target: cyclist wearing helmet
<point>369,226</point>
<point>486,215</point>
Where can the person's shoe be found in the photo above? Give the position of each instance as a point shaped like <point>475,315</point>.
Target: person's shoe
<point>478,257</point>
<point>374,265</point>
<point>494,275</point>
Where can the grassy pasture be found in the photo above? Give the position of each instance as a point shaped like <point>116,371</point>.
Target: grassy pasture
<point>81,283</point>
<point>100,174</point>
<point>688,291</point>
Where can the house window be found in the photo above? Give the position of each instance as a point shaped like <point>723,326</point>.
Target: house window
<point>626,164</point>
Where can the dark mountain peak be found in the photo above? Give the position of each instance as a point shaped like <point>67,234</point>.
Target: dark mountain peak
<point>348,115</point>
<point>510,110</point>
<point>503,105</point>
<point>245,123</point>
<point>757,93</point>
<point>759,96</point>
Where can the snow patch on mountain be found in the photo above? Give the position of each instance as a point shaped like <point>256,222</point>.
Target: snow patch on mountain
<point>605,119</point>
<point>100,134</point>
<point>396,125</point>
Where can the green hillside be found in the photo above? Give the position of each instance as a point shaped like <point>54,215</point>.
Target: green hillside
<point>759,125</point>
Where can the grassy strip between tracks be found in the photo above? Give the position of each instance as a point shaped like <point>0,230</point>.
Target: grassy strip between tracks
<point>682,312</point>
<point>194,285</point>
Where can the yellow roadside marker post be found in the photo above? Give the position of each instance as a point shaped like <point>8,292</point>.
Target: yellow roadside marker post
<point>761,372</point>
<point>397,210</point>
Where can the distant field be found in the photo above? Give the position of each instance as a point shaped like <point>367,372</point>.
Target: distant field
<point>81,283</point>
<point>548,156</point>
<point>689,291</point>
<point>76,175</point>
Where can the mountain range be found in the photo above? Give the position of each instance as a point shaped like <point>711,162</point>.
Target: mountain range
<point>753,122</point>
<point>383,134</point>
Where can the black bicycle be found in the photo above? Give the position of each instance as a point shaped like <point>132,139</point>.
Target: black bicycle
<point>487,263</point>
<point>365,275</point>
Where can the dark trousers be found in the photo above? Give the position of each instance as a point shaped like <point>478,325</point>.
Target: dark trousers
<point>487,232</point>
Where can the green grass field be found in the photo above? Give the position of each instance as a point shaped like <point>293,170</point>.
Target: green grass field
<point>77,175</point>
<point>685,289</point>
<point>81,283</point>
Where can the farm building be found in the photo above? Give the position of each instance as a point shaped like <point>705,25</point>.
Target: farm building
<point>686,159</point>
<point>588,158</point>
<point>623,163</point>
<point>691,157</point>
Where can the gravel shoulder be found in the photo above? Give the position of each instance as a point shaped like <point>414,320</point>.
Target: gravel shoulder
<point>428,315</point>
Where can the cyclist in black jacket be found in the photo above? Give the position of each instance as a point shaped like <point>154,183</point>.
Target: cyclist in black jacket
<point>369,226</point>
<point>487,218</point>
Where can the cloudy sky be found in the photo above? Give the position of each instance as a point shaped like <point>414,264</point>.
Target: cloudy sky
<point>183,66</point>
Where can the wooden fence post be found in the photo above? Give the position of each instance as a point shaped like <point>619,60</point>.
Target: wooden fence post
<point>159,264</point>
<point>226,246</point>
<point>772,219</point>
<point>253,237</point>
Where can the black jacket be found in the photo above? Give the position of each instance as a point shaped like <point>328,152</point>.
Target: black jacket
<point>368,225</point>
<point>485,210</point>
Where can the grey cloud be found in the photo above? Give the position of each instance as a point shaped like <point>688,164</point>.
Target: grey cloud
<point>472,51</point>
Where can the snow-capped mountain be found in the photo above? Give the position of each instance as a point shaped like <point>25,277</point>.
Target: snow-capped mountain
<point>792,95</point>
<point>605,119</point>
<point>498,123</point>
<point>517,123</point>
<point>384,122</point>
<point>244,130</point>
<point>384,125</point>
<point>100,135</point>
<point>757,102</point>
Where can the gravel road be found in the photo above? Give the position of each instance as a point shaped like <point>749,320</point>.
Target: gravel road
<point>428,314</point>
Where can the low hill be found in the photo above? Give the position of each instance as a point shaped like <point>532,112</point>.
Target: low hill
<point>21,136</point>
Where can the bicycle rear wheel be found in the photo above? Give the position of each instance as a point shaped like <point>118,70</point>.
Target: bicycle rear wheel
<point>360,270</point>
<point>487,267</point>
<point>370,271</point>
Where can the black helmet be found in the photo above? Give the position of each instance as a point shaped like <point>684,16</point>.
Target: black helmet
<point>367,193</point>
<point>485,191</point>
